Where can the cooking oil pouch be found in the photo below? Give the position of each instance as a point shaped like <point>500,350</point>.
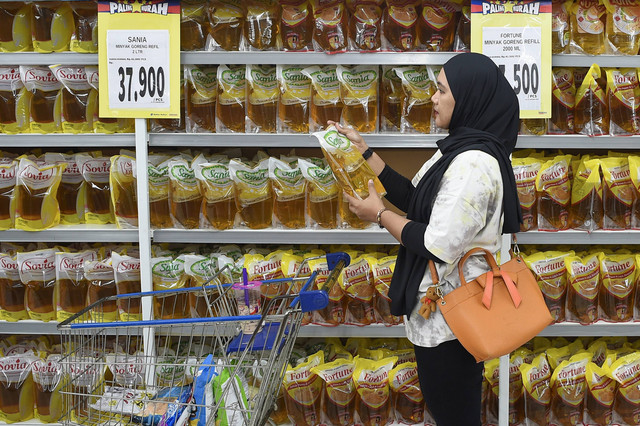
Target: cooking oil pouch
<point>201,86</point>
<point>568,389</point>
<point>437,25</point>
<point>8,171</point>
<point>382,270</point>
<point>525,171</point>
<point>216,187</point>
<point>322,195</point>
<point>338,391</point>
<point>563,101</point>
<point>254,196</point>
<point>626,406</point>
<point>202,271</point>
<point>38,274</point>
<point>418,87</point>
<point>71,286</point>
<point>262,268</point>
<point>335,312</point>
<point>128,370</point>
<point>553,193</point>
<point>85,35</point>
<point>618,193</point>
<point>17,380</point>
<point>296,25</point>
<point>560,34</point>
<point>14,108</point>
<point>619,273</point>
<point>587,27</point>
<point>359,94</point>
<point>226,20</point>
<point>78,100</point>
<point>516,389</point>
<point>185,198</point>
<point>371,380</point>
<point>325,96</point>
<point>71,194</point>
<point>95,172</point>
<point>583,274</point>
<point>601,390</point>
<point>536,376</point>
<point>634,174</point>
<point>623,95</point>
<point>331,23</point>
<point>289,189</point>
<point>549,270</point>
<point>158,172</point>
<point>17,18</point>
<point>194,25</point>
<point>126,271</point>
<point>303,391</point>
<point>122,179</point>
<point>592,108</point>
<point>586,197</point>
<point>295,97</point>
<point>365,25</point>
<point>167,273</point>
<point>356,283</point>
<point>105,125</point>
<point>391,98</point>
<point>261,24</point>
<point>51,27</point>
<point>35,195</point>
<point>47,381</point>
<point>400,26</point>
<point>12,290</point>
<point>623,27</point>
<point>230,109</point>
<point>44,100</point>
<point>101,284</point>
<point>462,40</point>
<point>349,167</point>
<point>262,98</point>
<point>492,378</point>
<point>406,395</point>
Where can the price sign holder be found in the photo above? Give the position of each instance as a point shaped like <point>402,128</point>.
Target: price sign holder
<point>139,58</point>
<point>517,36</point>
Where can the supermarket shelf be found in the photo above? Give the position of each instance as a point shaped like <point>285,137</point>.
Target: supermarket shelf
<point>578,142</point>
<point>374,330</point>
<point>61,140</point>
<point>74,233</point>
<point>35,58</point>
<point>314,58</point>
<point>29,327</point>
<point>579,237</point>
<point>35,422</point>
<point>275,236</point>
<point>380,140</point>
<point>598,329</point>
<point>587,61</point>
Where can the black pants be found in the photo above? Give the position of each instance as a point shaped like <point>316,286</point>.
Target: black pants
<point>451,382</point>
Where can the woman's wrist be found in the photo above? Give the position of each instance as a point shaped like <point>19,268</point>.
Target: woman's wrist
<point>367,153</point>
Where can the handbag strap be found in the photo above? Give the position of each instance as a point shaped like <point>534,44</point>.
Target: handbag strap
<point>488,257</point>
<point>434,273</point>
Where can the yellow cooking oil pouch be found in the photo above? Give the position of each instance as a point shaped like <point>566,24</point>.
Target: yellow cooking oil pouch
<point>359,94</point>
<point>303,391</point>
<point>592,109</point>
<point>356,282</point>
<point>78,99</point>
<point>371,379</point>
<point>623,95</point>
<point>14,118</point>
<point>634,174</point>
<point>601,389</point>
<point>167,273</point>
<point>334,313</point>
<point>124,197</point>
<point>8,171</point>
<point>338,390</point>
<point>254,195</point>
<point>85,35</point>
<point>295,96</point>
<point>525,171</point>
<point>101,284</point>
<point>262,98</point>
<point>95,172</point>
<point>325,96</point>
<point>216,187</point>
<point>536,376</point>
<point>349,167</point>
<point>35,195</point>
<point>19,15</point>
<point>14,289</point>
<point>549,269</point>
<point>230,108</point>
<point>45,101</point>
<point>185,198</point>
<point>568,388</point>
<point>105,125</point>
<point>322,194</point>
<point>553,193</point>
<point>382,270</point>
<point>289,190</point>
<point>616,298</point>
<point>418,85</point>
<point>583,287</point>
<point>618,192</point>
<point>626,372</point>
<point>52,27</point>
<point>158,171</point>
<point>586,197</point>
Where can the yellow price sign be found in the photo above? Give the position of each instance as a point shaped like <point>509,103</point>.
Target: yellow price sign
<point>139,55</point>
<point>517,36</point>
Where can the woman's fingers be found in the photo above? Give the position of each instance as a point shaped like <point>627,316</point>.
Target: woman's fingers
<point>372,189</point>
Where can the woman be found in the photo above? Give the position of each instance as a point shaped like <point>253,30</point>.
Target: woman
<point>463,197</point>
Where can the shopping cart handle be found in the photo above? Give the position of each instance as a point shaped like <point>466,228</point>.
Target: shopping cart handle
<point>313,300</point>
<point>334,258</point>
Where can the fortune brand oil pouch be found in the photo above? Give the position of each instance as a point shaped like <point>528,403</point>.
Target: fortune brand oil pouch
<point>601,390</point>
<point>563,102</point>
<point>261,24</point>
<point>52,27</point>
<point>371,379</point>
<point>106,125</point>
<point>85,35</point>
<point>289,189</point>
<point>516,389</point>
<point>437,25</point>
<point>201,86</point>
<point>623,26</point>
<point>330,30</point>
<point>158,171</point>
<point>618,193</point>
<point>322,194</point>
<point>617,289</point>
<point>17,18</point>
<point>16,387</point>
<point>95,172</point>
<point>126,271</point>
<point>303,391</point>
<point>586,197</point>
<point>262,98</point>
<point>78,100</point>
<point>634,174</point>
<point>623,95</point>
<point>38,274</point>
<point>391,98</point>
<point>525,171</point>
<point>356,283</point>
<point>325,95</point>
<point>583,275</point>
<point>12,290</point>
<point>45,103</point>
<point>492,379</point>
<point>536,377</point>
<point>254,195</point>
<point>35,194</point>
<point>553,193</point>
<point>568,389</point>
<point>295,96</point>
<point>101,284</point>
<point>8,171</point>
<point>167,273</point>
<point>71,284</point>
<point>549,270</point>
<point>122,179</point>
<point>338,391</point>
<point>359,94</point>
<point>349,167</point>
<point>406,395</point>
<point>226,19</point>
<point>382,270</point>
<point>269,267</point>
<point>335,311</point>
<point>185,198</point>
<point>216,187</point>
<point>399,26</point>
<point>418,86</point>
<point>71,193</point>
<point>592,109</point>
<point>626,406</point>
<point>14,111</point>
<point>587,27</point>
<point>230,109</point>
<point>560,26</point>
<point>365,29</point>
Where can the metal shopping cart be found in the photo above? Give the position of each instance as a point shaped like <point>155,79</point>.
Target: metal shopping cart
<point>184,367</point>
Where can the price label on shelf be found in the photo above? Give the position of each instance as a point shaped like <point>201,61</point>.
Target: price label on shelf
<point>517,36</point>
<point>139,59</point>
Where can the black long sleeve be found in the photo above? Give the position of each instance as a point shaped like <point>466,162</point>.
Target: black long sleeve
<point>413,240</point>
<point>399,188</point>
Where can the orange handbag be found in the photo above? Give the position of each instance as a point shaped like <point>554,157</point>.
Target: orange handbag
<point>497,312</point>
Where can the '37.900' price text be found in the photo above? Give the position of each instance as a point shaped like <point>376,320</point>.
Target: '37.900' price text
<point>149,85</point>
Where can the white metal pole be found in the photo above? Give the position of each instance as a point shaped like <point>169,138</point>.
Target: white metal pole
<point>503,382</point>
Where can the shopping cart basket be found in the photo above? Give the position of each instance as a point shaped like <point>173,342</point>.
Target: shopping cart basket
<point>223,368</point>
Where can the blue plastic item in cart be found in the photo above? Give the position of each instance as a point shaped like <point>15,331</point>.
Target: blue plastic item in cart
<point>264,341</point>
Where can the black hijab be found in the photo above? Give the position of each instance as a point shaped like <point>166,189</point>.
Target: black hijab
<point>485,118</point>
